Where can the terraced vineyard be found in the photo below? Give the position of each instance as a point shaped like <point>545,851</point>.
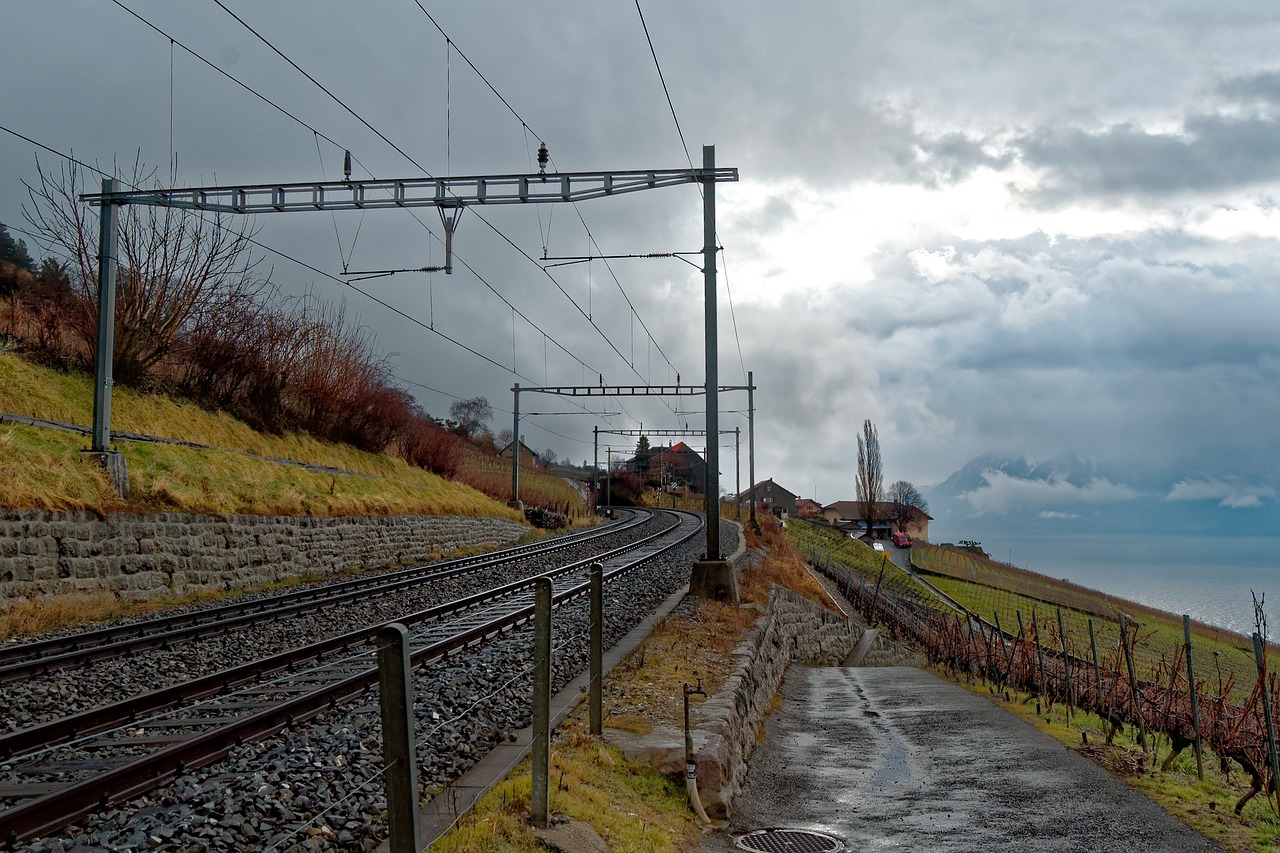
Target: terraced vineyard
<point>990,589</point>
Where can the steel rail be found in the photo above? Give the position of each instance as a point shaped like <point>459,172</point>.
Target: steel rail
<point>48,813</point>
<point>29,659</point>
<point>174,696</point>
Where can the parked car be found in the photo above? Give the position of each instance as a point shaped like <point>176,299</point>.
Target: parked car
<point>902,540</point>
<point>878,546</point>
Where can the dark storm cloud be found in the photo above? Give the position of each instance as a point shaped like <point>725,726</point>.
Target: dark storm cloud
<point>1211,153</point>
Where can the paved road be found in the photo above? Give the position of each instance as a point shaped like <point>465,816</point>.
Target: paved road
<point>897,759</point>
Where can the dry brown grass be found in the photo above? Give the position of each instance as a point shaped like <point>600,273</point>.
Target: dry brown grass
<point>44,469</point>
<point>648,683</point>
<point>783,566</point>
<point>27,617</point>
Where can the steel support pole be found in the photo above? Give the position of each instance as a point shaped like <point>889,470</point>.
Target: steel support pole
<point>395,693</point>
<point>595,466</point>
<point>515,448</point>
<point>737,472</point>
<point>713,375</point>
<point>539,808</point>
<point>108,252</point>
<point>596,697</point>
<point>751,445</point>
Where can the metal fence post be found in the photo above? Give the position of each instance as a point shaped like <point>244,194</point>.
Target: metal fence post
<point>395,689</point>
<point>539,807</point>
<point>1195,697</point>
<point>596,698</point>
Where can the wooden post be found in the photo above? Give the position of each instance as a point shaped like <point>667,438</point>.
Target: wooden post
<point>395,693</point>
<point>1000,637</point>
<point>871,611</point>
<point>1044,687</point>
<point>1097,672</point>
<point>1133,677</point>
<point>1195,697</point>
<point>1260,658</point>
<point>1066,659</point>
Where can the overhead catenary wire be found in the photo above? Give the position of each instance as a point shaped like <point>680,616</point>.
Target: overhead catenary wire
<point>399,150</point>
<point>524,124</point>
<point>685,146</point>
<point>286,256</point>
<point>318,135</point>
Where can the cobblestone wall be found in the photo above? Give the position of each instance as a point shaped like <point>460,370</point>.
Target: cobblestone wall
<point>791,629</point>
<point>174,554</point>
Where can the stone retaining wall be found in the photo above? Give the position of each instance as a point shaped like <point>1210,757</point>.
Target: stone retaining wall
<point>145,557</point>
<point>791,629</point>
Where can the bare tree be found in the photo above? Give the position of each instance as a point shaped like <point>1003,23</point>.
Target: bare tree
<point>870,474</point>
<point>472,416</point>
<point>907,501</point>
<point>179,271</point>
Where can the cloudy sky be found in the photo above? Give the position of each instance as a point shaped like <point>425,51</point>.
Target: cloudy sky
<point>1010,228</point>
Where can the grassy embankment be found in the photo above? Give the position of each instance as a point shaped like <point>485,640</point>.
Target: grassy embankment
<point>45,469</point>
<point>633,809</point>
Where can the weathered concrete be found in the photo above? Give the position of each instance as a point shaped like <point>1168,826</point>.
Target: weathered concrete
<point>728,724</point>
<point>899,759</point>
<point>144,557</point>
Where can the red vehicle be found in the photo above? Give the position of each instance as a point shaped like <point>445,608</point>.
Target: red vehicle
<point>902,540</point>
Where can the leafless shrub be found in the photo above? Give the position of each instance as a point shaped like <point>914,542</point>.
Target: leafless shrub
<point>178,271</point>
<point>430,445</point>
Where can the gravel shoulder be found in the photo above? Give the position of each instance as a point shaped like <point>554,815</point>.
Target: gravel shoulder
<point>896,758</point>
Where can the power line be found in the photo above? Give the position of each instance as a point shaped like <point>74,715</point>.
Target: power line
<point>234,79</point>
<point>685,145</point>
<point>335,279</point>
<point>662,79</point>
<point>359,118</point>
<point>451,43</point>
<point>319,134</point>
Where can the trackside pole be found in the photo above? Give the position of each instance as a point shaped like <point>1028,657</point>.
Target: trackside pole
<point>539,807</point>
<point>108,242</point>
<point>395,692</point>
<point>596,699</point>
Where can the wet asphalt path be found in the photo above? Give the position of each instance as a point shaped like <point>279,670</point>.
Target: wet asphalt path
<point>897,759</point>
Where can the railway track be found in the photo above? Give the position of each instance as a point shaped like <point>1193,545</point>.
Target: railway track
<point>70,767</point>
<point>23,660</point>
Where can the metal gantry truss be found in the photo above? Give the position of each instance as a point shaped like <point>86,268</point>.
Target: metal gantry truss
<point>450,195</point>
<point>447,192</point>
<point>673,433</point>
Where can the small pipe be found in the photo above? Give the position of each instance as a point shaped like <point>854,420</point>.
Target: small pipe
<point>690,766</point>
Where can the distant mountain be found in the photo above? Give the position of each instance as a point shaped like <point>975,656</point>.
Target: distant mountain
<point>1068,493</point>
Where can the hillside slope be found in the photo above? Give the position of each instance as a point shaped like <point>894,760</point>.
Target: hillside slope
<point>41,468</point>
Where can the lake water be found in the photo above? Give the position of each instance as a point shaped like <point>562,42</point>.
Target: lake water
<point>1208,578</point>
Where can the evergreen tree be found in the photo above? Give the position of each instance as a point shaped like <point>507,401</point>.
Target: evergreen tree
<point>14,251</point>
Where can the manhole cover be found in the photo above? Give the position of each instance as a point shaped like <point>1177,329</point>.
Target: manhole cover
<point>789,841</point>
